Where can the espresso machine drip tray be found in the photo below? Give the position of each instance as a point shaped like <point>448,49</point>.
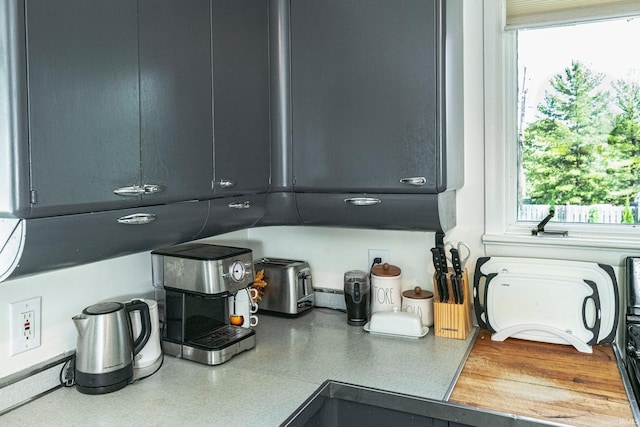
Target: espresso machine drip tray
<point>222,337</point>
<point>215,347</point>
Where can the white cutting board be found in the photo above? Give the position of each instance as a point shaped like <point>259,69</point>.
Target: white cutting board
<point>535,267</point>
<point>557,303</point>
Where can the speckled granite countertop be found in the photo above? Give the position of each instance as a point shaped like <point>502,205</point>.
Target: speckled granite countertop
<point>262,386</point>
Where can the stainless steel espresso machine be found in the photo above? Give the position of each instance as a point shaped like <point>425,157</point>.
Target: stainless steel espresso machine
<point>193,283</point>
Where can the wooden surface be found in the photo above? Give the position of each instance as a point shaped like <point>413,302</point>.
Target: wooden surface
<point>551,382</point>
<point>452,320</point>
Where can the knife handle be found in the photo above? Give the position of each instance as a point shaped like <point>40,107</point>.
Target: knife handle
<point>443,257</point>
<point>437,261</point>
<point>437,265</point>
<point>455,261</point>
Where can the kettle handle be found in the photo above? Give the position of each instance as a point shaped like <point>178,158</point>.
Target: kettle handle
<point>145,318</point>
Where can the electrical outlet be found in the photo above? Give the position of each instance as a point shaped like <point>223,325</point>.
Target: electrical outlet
<point>383,254</point>
<point>25,325</point>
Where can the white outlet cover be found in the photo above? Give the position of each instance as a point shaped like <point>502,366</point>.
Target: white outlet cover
<point>19,341</point>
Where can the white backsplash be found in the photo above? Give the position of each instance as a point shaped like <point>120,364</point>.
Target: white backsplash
<point>331,252</point>
<point>64,294</point>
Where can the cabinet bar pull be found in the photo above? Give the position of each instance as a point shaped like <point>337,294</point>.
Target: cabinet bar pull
<point>224,183</point>
<point>240,205</point>
<point>362,201</point>
<point>415,180</point>
<point>151,189</point>
<point>137,190</point>
<point>137,219</point>
<point>133,190</point>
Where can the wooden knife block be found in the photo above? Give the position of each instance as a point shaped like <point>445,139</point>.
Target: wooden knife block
<point>452,320</point>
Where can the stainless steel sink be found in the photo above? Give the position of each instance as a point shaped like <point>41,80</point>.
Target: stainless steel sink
<point>341,404</point>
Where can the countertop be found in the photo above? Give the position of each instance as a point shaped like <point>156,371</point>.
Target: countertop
<point>263,386</point>
<point>549,382</point>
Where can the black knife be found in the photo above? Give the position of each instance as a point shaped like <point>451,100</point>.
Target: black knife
<point>437,265</point>
<point>445,273</point>
<point>443,259</point>
<point>455,288</point>
<point>440,265</point>
<point>457,268</point>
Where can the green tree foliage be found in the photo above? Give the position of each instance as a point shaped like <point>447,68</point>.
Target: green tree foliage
<point>627,215</point>
<point>624,144</point>
<point>565,149</point>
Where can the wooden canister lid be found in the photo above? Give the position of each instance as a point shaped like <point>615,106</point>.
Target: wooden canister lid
<point>417,293</point>
<point>385,270</point>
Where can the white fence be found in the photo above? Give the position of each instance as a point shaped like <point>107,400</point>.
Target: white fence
<point>607,214</point>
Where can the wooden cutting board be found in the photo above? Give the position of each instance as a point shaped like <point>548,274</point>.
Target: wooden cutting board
<point>551,382</point>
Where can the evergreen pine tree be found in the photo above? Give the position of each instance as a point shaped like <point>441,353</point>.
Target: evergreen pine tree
<point>564,148</point>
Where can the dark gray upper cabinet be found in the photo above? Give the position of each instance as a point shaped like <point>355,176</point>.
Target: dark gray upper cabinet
<point>369,92</point>
<point>66,240</point>
<point>176,124</point>
<point>119,97</point>
<point>84,130</point>
<point>129,124</point>
<point>228,214</point>
<point>241,96</point>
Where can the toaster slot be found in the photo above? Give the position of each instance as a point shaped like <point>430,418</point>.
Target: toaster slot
<point>305,286</point>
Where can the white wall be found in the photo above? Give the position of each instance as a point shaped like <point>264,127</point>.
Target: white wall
<point>64,294</point>
<point>330,251</point>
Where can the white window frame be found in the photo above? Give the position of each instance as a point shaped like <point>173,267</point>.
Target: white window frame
<point>500,105</point>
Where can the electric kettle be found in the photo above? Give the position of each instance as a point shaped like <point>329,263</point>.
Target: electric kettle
<point>105,348</point>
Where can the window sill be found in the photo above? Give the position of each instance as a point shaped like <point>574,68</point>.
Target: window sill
<point>609,241</point>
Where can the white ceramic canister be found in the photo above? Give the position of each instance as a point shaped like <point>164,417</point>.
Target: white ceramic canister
<point>385,288</point>
<point>419,302</point>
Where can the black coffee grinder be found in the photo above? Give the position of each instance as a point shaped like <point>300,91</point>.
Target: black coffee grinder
<point>357,290</point>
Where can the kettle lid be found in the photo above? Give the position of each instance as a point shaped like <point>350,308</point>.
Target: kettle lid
<point>385,270</point>
<point>103,308</point>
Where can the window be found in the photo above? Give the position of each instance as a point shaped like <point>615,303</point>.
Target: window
<point>578,122</point>
<point>503,229</point>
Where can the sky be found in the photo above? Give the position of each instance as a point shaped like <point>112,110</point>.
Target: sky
<point>609,47</point>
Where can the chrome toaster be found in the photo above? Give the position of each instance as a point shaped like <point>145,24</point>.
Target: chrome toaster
<point>289,287</point>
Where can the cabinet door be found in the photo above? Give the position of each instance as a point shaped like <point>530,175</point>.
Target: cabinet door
<point>54,242</point>
<point>82,58</point>
<point>365,100</point>
<point>175,99</point>
<point>241,96</point>
<point>228,214</point>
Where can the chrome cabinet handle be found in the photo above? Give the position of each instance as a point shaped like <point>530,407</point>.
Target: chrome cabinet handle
<point>133,190</point>
<point>362,201</point>
<point>137,190</point>
<point>225,183</point>
<point>414,180</point>
<point>137,219</point>
<point>151,189</point>
<point>240,205</point>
